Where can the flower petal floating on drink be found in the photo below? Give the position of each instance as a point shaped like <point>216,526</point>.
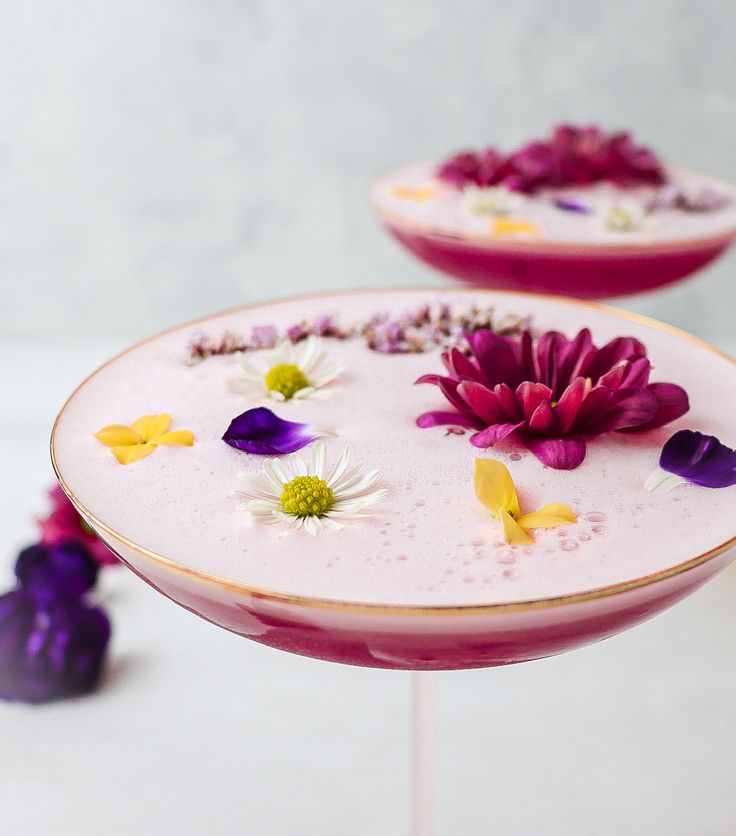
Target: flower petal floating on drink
<point>263,433</point>
<point>552,393</point>
<point>288,371</point>
<point>305,494</point>
<point>142,437</point>
<point>495,489</point>
<point>690,456</point>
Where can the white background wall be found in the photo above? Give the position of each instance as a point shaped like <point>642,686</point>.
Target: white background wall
<point>159,160</point>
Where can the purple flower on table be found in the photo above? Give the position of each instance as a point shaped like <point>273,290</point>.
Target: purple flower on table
<point>261,432</point>
<point>49,652</point>
<point>551,394</point>
<point>65,571</point>
<point>690,456</point>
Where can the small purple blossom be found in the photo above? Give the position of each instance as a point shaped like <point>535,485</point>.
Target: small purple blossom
<point>690,456</point>
<point>51,573</point>
<point>569,204</point>
<point>263,336</point>
<point>675,196</point>
<point>261,432</point>
<point>49,652</point>
<point>412,331</point>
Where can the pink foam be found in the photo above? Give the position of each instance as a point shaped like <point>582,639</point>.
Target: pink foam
<point>431,542</point>
<point>447,214</point>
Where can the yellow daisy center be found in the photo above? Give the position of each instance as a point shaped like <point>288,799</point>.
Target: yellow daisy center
<point>307,496</point>
<point>287,379</point>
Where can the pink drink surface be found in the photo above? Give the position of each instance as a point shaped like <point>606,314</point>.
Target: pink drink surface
<point>430,542</point>
<point>446,212</point>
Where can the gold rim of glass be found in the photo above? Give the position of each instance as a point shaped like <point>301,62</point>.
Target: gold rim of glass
<point>271,595</point>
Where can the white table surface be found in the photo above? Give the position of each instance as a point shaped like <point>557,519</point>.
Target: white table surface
<point>196,731</point>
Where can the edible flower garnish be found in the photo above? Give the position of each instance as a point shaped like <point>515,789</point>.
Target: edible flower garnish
<point>417,194</point>
<point>573,155</point>
<point>142,437</point>
<point>288,371</point>
<point>625,215</point>
<point>573,204</point>
<point>303,493</point>
<point>261,432</point>
<point>505,227</point>
<point>495,489</point>
<point>552,392</point>
<point>496,200</point>
<point>690,456</point>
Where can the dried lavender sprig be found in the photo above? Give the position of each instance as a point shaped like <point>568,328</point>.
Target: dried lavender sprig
<point>411,332</point>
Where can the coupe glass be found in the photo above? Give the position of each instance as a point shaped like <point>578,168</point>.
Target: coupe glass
<point>428,632</point>
<point>586,268</point>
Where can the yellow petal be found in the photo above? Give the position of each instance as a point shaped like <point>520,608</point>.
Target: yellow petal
<point>116,435</point>
<point>149,426</point>
<point>515,226</point>
<point>418,195</point>
<point>548,517</point>
<point>128,455</point>
<point>494,486</point>
<point>183,437</point>
<point>512,532</point>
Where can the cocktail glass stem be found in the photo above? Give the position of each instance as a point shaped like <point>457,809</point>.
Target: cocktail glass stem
<point>424,754</point>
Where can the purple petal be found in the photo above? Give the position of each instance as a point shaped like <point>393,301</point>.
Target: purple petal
<point>492,435</point>
<point>497,357</point>
<point>262,433</point>
<point>559,453</point>
<point>569,204</point>
<point>700,459</point>
<point>460,366</point>
<point>622,348</point>
<point>437,418</point>
<point>672,402</point>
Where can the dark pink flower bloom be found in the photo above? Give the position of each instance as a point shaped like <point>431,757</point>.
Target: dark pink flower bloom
<point>552,393</point>
<point>571,156</point>
<point>64,525</point>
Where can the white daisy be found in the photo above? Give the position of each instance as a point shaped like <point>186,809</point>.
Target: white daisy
<point>288,371</point>
<point>625,215</point>
<point>302,493</point>
<point>493,200</point>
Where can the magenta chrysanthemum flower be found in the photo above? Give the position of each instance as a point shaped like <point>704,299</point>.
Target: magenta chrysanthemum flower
<point>571,156</point>
<point>552,393</point>
<point>64,525</point>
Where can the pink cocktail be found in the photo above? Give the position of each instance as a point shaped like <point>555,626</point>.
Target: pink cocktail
<point>428,582</point>
<point>562,252</point>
